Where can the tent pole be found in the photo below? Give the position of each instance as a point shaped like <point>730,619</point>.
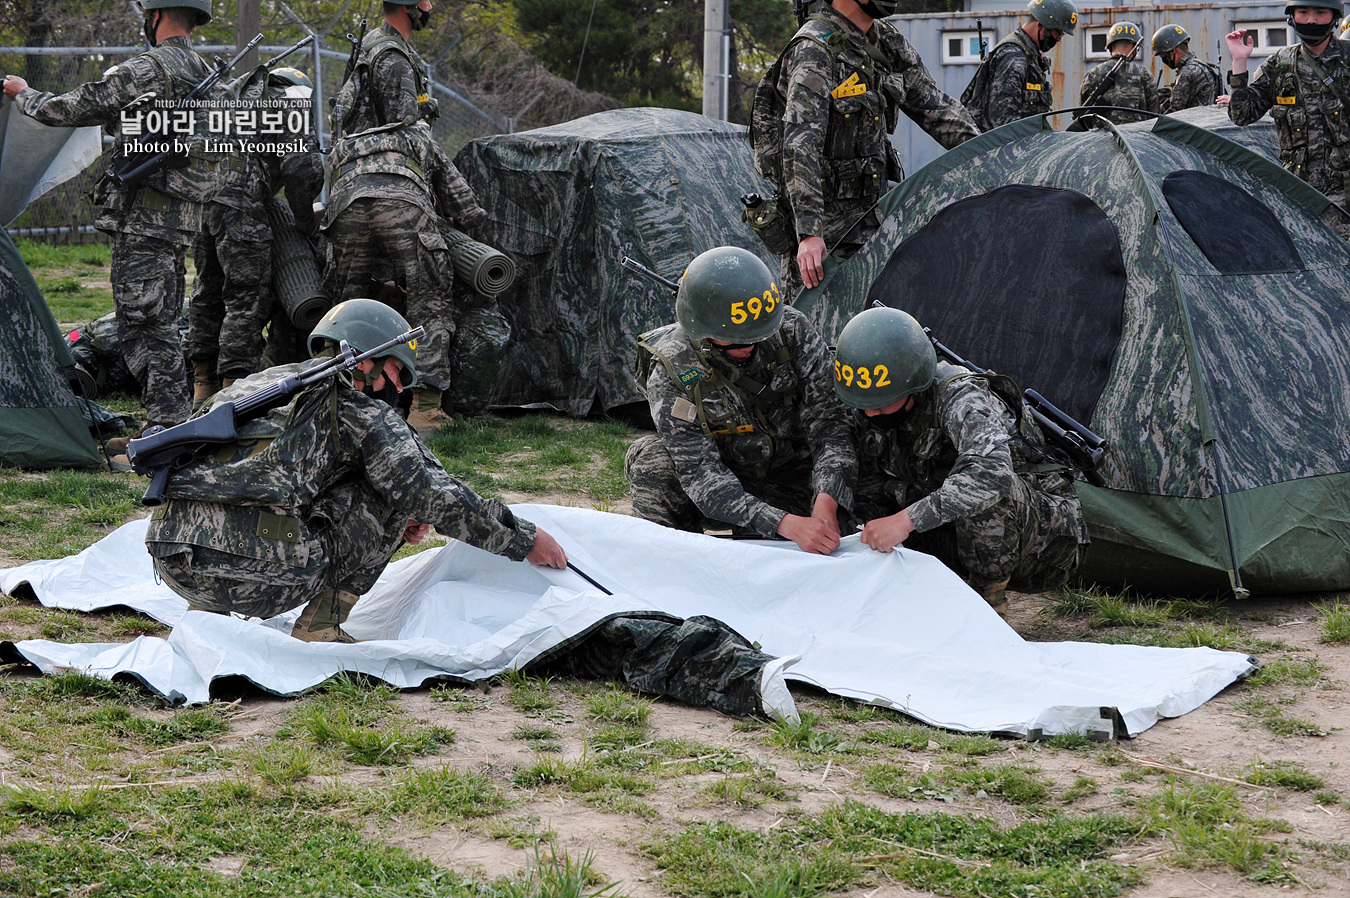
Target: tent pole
<point>1234,575</point>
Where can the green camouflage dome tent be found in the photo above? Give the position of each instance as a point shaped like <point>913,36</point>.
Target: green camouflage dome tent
<point>1259,135</point>
<point>40,421</point>
<point>1176,291</point>
<point>568,202</point>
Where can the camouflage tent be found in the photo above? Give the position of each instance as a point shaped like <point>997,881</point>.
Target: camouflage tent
<point>1259,135</point>
<point>1180,293</point>
<point>41,425</point>
<point>568,202</point>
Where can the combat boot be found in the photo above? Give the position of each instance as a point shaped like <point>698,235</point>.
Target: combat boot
<point>118,445</point>
<point>321,621</point>
<point>204,384</point>
<point>426,416</point>
<point>996,594</point>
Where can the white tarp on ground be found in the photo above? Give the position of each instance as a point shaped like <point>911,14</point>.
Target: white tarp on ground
<point>899,630</point>
<point>35,158</point>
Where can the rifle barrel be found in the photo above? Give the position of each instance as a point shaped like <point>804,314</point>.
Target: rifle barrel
<point>639,268</point>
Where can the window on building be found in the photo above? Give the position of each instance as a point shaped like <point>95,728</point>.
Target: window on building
<point>1271,35</point>
<point>1096,43</point>
<point>962,47</point>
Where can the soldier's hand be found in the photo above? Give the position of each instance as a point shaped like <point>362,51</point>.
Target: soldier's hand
<point>1222,100</point>
<point>810,534</point>
<point>826,510</point>
<point>811,260</point>
<point>885,534</point>
<point>1238,47</point>
<point>14,85</point>
<point>415,532</point>
<point>546,551</point>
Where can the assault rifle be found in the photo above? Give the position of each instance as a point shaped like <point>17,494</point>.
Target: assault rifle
<point>979,29</point>
<point>1083,447</point>
<point>1110,78</point>
<point>639,268</point>
<point>162,450</point>
<point>298,45</point>
<point>133,169</point>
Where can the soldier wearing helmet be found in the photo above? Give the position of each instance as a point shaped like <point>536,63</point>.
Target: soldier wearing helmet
<point>306,509</point>
<point>151,225</point>
<point>749,433</point>
<point>232,295</point>
<point>1196,83</point>
<point>951,463</point>
<point>840,84</point>
<point>1013,81</point>
<point>1306,89</point>
<point>1121,81</point>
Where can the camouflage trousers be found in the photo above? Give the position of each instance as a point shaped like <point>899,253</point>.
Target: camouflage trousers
<point>233,292</point>
<point>286,343</point>
<point>481,335</point>
<point>373,230</point>
<point>147,276</point>
<point>700,661</point>
<point>1033,537</point>
<point>658,495</point>
<point>346,544</point>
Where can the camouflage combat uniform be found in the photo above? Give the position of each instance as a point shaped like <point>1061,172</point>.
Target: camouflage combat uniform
<point>740,445</point>
<point>981,493</point>
<point>387,189</point>
<point>314,496</point>
<point>1012,83</point>
<point>842,92</point>
<point>1196,84</point>
<point>151,226</point>
<point>1310,117</point>
<point>1130,87</point>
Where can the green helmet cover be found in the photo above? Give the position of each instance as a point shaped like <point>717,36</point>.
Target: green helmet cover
<point>883,356</point>
<point>728,294</point>
<point>203,7</point>
<point>290,75</point>
<point>1169,37</point>
<point>1057,15</point>
<point>365,324</point>
<point>1123,31</point>
<point>1336,6</point>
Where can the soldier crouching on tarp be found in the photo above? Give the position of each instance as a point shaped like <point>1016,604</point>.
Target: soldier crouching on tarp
<point>749,432</point>
<point>952,462</point>
<point>308,507</point>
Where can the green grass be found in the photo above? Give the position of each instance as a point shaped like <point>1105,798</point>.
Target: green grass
<point>1207,826</point>
<point>1288,669</point>
<point>855,846</point>
<point>463,701</point>
<point>283,764</point>
<point>1015,783</point>
<point>73,278</point>
<point>618,705</point>
<point>1285,774</point>
<point>439,795</point>
<point>357,717</point>
<point>1335,623</point>
<point>1271,716</point>
<point>529,694</point>
<point>57,513</point>
<point>747,791</point>
<point>805,736</point>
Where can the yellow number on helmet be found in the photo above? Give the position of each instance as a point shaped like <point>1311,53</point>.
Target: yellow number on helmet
<point>882,376</point>
<point>738,315</point>
<point>837,375</point>
<point>755,306</point>
<point>864,378</point>
<point>770,303</point>
<point>848,376</point>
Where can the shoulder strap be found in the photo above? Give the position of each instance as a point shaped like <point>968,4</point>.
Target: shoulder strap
<point>1321,72</point>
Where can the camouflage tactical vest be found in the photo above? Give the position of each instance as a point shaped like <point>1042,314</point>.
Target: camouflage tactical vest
<point>920,455</point>
<point>354,98</point>
<point>735,415</point>
<point>1037,93</point>
<point>1294,105</point>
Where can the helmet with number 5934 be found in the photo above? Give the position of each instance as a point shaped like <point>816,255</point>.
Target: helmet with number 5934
<point>883,356</point>
<point>728,294</point>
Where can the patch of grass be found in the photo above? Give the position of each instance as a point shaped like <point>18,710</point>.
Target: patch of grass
<point>554,875</point>
<point>439,795</point>
<point>806,736</point>
<point>1072,741</point>
<point>528,694</point>
<point>189,725</point>
<point>283,764</point>
<point>461,701</point>
<point>849,711</point>
<point>521,832</point>
<point>582,776</point>
<point>1335,623</point>
<point>1285,774</point>
<point>685,757</point>
<point>1270,716</point>
<point>747,791</point>
<point>973,746</point>
<point>540,738</point>
<point>910,738</point>
<point>618,705</point>
<point>1288,670</point>
<point>1327,796</point>
<point>1082,787</point>
<point>949,854</point>
<point>1206,824</point>
<point>66,802</point>
<point>357,717</point>
<point>1018,784</point>
<point>614,736</point>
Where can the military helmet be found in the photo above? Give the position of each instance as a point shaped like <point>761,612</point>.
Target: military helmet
<point>403,2</point>
<point>203,7</point>
<point>883,356</point>
<point>728,294</point>
<point>1169,37</point>
<point>1343,26</point>
<point>1122,31</point>
<point>365,324</point>
<point>1335,6</point>
<point>1057,15</point>
<point>292,76</point>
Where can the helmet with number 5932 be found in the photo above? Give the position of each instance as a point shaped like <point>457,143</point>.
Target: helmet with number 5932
<point>883,356</point>
<point>728,294</point>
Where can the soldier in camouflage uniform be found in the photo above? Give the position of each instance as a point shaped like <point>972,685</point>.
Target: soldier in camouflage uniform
<point>1013,82</point>
<point>313,500</point>
<point>232,295</point>
<point>843,80</point>
<point>952,463</point>
<point>1130,85</point>
<point>389,181</point>
<point>153,225</point>
<point>1306,89</point>
<point>748,430</point>
<point>1196,83</point>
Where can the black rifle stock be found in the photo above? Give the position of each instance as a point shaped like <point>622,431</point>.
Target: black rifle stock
<point>164,450</point>
<point>1083,447</point>
<point>134,168</point>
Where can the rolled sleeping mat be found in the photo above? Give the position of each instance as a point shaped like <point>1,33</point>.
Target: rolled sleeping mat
<point>489,271</point>
<point>297,279</point>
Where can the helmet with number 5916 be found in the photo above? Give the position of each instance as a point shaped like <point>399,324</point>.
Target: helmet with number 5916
<point>728,294</point>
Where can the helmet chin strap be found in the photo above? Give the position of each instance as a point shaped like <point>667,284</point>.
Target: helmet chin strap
<point>151,26</point>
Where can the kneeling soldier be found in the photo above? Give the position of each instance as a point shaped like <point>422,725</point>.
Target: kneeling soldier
<point>953,459</point>
<point>748,430</point>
